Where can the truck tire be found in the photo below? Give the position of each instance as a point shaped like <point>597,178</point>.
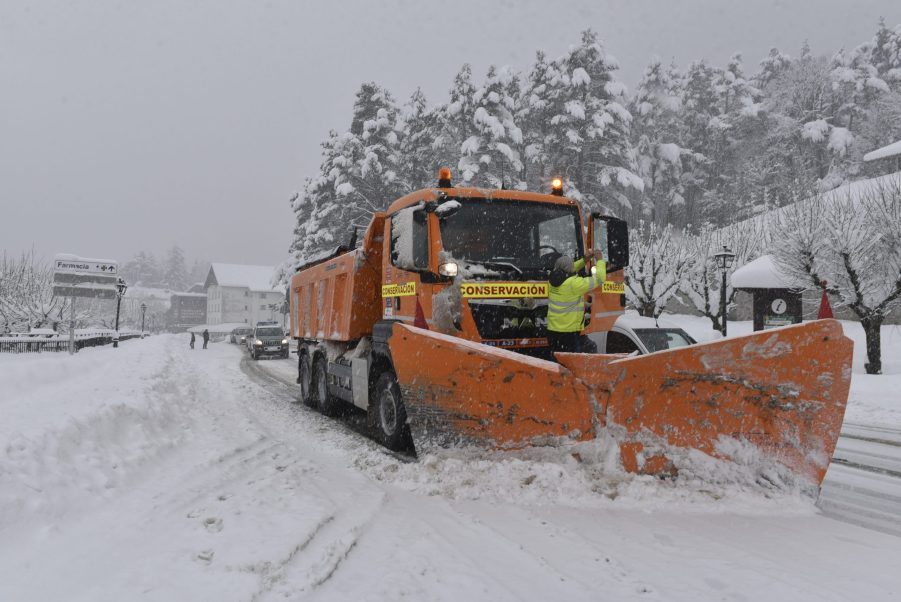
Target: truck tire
<point>387,414</point>
<point>305,379</point>
<point>324,402</point>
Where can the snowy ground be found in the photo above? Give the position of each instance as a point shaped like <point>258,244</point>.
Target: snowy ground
<point>155,472</point>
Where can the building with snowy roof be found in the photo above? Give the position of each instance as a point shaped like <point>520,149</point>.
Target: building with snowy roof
<point>242,294</point>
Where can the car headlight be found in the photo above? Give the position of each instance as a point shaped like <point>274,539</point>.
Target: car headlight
<point>258,342</point>
<point>284,341</point>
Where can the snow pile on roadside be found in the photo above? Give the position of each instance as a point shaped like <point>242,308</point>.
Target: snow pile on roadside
<point>57,452</point>
<point>589,475</point>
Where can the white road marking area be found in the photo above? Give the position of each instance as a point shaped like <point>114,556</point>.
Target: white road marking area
<point>181,477</point>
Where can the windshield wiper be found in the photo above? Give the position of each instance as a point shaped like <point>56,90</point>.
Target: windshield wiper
<point>501,264</point>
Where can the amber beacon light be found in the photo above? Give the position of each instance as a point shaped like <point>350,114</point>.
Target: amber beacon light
<point>444,177</point>
<point>557,186</point>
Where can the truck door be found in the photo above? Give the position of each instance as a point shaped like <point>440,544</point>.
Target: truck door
<point>408,261</point>
<point>610,236</point>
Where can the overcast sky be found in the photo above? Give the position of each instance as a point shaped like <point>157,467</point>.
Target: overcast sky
<point>130,125</point>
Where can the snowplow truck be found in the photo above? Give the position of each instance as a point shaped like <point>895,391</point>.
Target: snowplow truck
<point>437,327</point>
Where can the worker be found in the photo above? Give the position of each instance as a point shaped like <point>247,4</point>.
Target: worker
<point>566,303</point>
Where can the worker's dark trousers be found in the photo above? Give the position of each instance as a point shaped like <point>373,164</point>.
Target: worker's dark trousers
<point>571,342</point>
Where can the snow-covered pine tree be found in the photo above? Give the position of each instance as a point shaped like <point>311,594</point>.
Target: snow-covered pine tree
<point>455,119</point>
<point>589,139</point>
<point>358,176</point>
<point>737,126</point>
<point>420,127</point>
<point>317,206</point>
<point>700,135</point>
<point>534,118</point>
<point>772,67</point>
<point>886,54</point>
<point>490,156</point>
<point>142,270</point>
<point>176,271</point>
<point>655,135</point>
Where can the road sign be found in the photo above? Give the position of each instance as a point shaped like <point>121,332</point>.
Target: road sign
<point>75,276</point>
<point>80,265</point>
<point>91,291</point>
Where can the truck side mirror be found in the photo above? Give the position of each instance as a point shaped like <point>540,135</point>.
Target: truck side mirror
<point>611,236</point>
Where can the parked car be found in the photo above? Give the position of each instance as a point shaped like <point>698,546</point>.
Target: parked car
<point>268,338</point>
<point>238,336</point>
<point>632,333</point>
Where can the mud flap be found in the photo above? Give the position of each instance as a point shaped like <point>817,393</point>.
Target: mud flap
<point>777,395</point>
<point>458,392</point>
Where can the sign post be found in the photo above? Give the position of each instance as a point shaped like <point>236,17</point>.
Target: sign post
<point>71,325</point>
<point>75,276</point>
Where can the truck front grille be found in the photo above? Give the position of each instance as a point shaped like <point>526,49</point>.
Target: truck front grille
<point>510,318</point>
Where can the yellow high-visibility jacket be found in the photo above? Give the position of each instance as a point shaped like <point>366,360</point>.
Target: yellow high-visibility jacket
<point>566,303</point>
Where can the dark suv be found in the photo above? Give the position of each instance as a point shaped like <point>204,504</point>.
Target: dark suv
<point>268,339</point>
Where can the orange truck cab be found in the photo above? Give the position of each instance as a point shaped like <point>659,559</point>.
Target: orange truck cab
<point>466,262</point>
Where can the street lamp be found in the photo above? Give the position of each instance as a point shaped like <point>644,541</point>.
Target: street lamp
<point>724,261</point>
<point>121,287</point>
<point>143,311</point>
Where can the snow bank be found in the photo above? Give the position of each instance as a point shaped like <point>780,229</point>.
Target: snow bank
<point>59,448</point>
<point>588,475</point>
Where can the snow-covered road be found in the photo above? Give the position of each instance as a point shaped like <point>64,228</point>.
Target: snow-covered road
<point>155,472</point>
<point>863,484</point>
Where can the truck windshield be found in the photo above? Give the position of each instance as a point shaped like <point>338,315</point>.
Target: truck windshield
<point>519,239</point>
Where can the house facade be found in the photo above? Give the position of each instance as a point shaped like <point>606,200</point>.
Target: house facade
<point>242,294</point>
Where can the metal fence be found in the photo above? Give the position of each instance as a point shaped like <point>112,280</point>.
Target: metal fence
<point>54,344</point>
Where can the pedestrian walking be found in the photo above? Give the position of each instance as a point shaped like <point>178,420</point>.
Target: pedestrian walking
<point>192,340</point>
<point>206,337</point>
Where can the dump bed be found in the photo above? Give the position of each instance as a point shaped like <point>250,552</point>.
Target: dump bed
<point>339,299</point>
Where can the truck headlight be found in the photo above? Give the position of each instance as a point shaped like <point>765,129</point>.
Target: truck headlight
<point>284,341</point>
<point>448,269</point>
<point>258,342</point>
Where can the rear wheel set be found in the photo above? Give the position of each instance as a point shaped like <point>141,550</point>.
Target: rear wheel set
<point>321,399</point>
<point>388,415</point>
<point>305,379</point>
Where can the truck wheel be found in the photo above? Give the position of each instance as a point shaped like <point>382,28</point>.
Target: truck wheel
<point>305,379</point>
<point>324,402</point>
<point>388,415</point>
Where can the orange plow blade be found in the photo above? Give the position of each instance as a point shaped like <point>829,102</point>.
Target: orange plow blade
<point>457,392</point>
<point>777,395</point>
